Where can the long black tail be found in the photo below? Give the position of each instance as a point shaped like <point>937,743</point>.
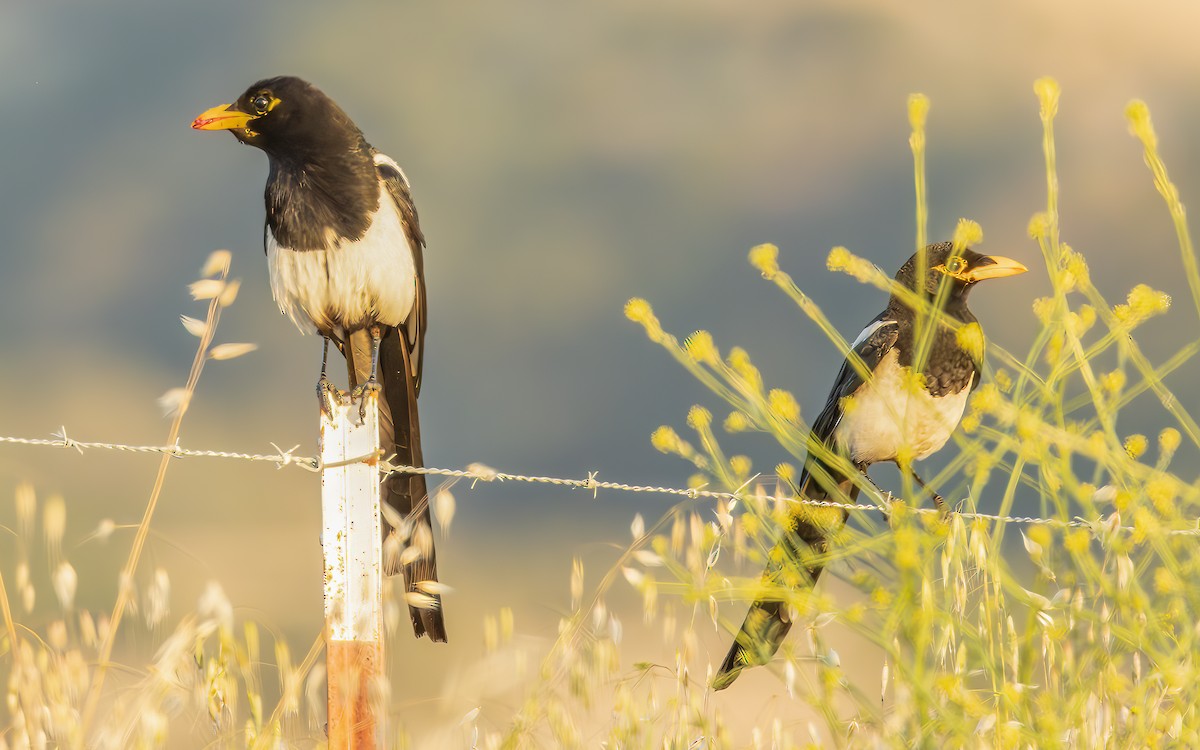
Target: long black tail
<point>400,435</point>
<point>769,620</point>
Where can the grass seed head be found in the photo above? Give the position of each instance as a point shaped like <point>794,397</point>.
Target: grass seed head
<point>217,263</point>
<point>25,500</point>
<point>54,523</point>
<point>65,584</point>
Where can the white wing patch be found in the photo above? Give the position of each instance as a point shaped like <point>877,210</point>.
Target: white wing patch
<point>372,279</point>
<point>863,336</point>
<point>870,329</point>
<point>389,161</point>
<point>885,414</point>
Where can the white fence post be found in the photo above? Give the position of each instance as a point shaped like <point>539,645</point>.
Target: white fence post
<point>353,549</point>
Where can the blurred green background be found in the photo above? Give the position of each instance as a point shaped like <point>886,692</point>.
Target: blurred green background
<point>564,157</point>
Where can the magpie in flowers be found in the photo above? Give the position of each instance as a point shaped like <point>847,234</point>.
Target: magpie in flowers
<point>867,421</point>
<point>344,248</point>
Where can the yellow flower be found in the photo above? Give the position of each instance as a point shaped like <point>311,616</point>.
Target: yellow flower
<point>701,348</point>
<point>1028,425</point>
<point>665,440</point>
<point>739,362</point>
<point>1076,268</point>
<point>766,259</point>
<point>1077,541</point>
<point>639,311</point>
<point>1162,493</point>
<point>1147,302</point>
<point>699,418</point>
<point>1168,441</point>
<point>1086,317</point>
<point>1041,535</point>
<point>881,596</point>
<point>784,404</point>
<point>1047,91</point>
<point>918,111</point>
<point>839,259</point>
<point>1166,582</point>
<point>1135,445</point>
<point>1145,523</point>
<point>737,422</point>
<point>1039,225</point>
<point>1142,303</point>
<point>1075,324</point>
<point>967,233</point>
<point>969,423</point>
<point>1140,125</point>
<point>1043,308</point>
<point>970,340</point>
<point>855,613</point>
<point>1113,381</point>
<point>908,554</point>
<point>1003,380</point>
<point>987,399</point>
<point>983,464</point>
<point>1054,349</point>
<point>740,465</point>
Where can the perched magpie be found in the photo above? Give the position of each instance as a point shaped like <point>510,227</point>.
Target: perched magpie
<point>869,421</point>
<point>344,248</point>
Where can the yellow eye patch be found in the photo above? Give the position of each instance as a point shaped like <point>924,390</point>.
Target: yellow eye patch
<point>263,102</point>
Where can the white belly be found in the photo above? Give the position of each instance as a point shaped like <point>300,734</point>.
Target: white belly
<point>354,283</point>
<point>886,414</point>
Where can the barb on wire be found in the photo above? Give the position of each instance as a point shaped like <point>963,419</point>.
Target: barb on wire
<point>478,472</point>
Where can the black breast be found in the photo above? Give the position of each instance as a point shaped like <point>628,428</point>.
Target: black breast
<point>309,204</point>
<point>948,367</point>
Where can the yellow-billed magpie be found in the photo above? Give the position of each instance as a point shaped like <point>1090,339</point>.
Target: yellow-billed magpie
<point>873,420</point>
<point>344,248</point>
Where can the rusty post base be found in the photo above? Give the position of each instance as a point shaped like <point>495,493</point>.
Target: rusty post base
<point>351,667</point>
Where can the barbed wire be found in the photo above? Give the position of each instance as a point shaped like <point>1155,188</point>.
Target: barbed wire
<point>478,472</point>
<point>281,458</point>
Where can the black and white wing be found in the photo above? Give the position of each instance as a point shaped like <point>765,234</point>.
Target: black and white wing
<point>871,346</point>
<point>400,362</point>
<point>394,180</point>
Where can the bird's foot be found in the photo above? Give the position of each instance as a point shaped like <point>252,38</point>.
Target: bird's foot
<point>327,396</point>
<point>940,505</point>
<point>361,393</point>
<point>885,509</point>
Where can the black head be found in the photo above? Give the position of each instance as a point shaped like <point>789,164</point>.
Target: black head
<point>961,270</point>
<point>286,117</point>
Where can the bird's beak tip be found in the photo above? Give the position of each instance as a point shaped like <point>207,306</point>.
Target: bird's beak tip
<point>221,117</point>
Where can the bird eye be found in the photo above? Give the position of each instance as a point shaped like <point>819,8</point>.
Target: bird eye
<point>261,103</point>
<point>956,265</point>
